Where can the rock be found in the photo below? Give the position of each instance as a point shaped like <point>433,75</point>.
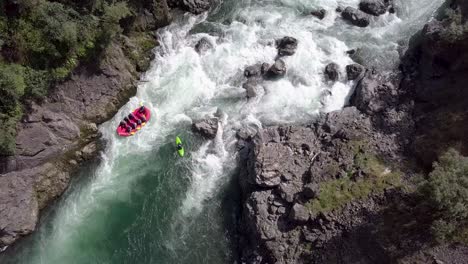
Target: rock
<point>374,94</point>
<point>373,7</point>
<point>193,6</point>
<point>254,70</point>
<point>203,45</point>
<point>299,213</point>
<point>339,9</point>
<point>251,89</point>
<point>278,69</point>
<point>286,46</point>
<point>332,72</point>
<point>89,151</point>
<point>208,128</point>
<point>355,71</point>
<point>319,13</point>
<point>356,17</point>
<point>281,210</point>
<point>311,190</point>
<point>287,192</point>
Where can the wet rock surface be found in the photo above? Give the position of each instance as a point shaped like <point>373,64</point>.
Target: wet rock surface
<point>203,45</point>
<point>374,7</point>
<point>332,72</point>
<point>207,128</point>
<point>355,71</point>
<point>356,17</point>
<point>286,46</point>
<point>319,13</point>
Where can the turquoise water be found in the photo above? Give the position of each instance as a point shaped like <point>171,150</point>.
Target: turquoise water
<point>141,203</point>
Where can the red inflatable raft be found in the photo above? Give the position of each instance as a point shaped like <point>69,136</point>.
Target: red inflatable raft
<point>146,114</point>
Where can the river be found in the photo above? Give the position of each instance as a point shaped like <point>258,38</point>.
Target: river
<point>141,203</point>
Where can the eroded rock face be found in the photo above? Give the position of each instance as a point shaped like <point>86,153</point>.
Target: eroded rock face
<point>207,128</point>
<point>355,17</point>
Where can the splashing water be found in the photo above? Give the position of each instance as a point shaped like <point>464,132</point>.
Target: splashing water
<point>142,203</point>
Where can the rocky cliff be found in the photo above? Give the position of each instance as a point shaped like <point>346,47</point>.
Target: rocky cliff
<point>340,190</point>
<point>56,135</point>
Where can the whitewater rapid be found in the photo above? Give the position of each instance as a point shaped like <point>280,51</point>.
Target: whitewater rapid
<point>182,86</point>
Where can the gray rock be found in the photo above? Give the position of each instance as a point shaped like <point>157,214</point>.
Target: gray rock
<point>373,7</point>
<point>286,46</point>
<point>356,17</point>
<point>332,72</point>
<point>299,213</point>
<point>278,69</point>
<point>319,13</point>
<point>374,94</point>
<point>203,45</point>
<point>207,128</point>
<point>355,71</point>
<point>311,190</point>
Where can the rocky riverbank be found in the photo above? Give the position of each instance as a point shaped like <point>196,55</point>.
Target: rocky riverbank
<point>341,189</point>
<point>58,134</point>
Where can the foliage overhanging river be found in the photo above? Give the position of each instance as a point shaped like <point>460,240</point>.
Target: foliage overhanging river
<point>141,203</point>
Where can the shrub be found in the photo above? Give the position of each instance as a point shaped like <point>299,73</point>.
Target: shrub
<point>447,190</point>
<point>11,87</point>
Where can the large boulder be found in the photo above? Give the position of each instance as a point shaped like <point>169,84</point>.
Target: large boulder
<point>332,71</point>
<point>208,128</point>
<point>373,7</point>
<point>355,71</point>
<point>286,46</point>
<point>299,213</point>
<point>374,94</point>
<point>256,70</point>
<point>251,88</point>
<point>356,17</point>
<point>278,69</point>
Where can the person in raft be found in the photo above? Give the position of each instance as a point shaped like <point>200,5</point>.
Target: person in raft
<point>132,117</point>
<point>138,124</point>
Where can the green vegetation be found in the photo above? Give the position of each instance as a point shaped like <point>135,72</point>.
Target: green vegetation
<point>375,178</point>
<point>43,41</point>
<point>447,191</point>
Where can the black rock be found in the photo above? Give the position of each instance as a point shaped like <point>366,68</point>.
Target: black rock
<point>278,69</point>
<point>356,17</point>
<point>332,71</point>
<point>203,45</point>
<point>286,46</point>
<point>373,7</point>
<point>354,71</point>
<point>319,13</point>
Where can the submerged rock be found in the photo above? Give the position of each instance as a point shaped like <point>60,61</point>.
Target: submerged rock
<point>286,46</point>
<point>207,128</point>
<point>332,71</point>
<point>356,17</point>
